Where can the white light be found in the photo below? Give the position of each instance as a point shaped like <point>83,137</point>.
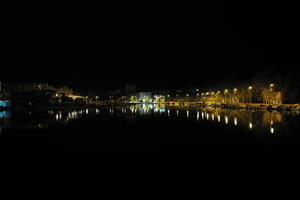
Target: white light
<point>213,117</point>
<point>226,119</point>
<point>272,130</point>
<point>235,121</point>
<point>177,112</point>
<point>197,115</point>
<point>250,125</point>
<point>202,115</point>
<point>219,118</point>
<point>187,113</point>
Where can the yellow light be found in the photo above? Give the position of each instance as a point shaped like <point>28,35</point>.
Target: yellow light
<point>226,91</point>
<point>219,92</point>
<point>235,89</point>
<point>212,93</point>
<point>271,85</point>
<point>250,88</point>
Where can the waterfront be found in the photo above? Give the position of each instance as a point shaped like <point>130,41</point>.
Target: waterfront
<point>145,127</point>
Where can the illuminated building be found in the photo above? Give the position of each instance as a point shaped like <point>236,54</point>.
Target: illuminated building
<point>145,97</point>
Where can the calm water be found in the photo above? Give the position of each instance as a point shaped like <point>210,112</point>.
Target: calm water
<point>147,128</point>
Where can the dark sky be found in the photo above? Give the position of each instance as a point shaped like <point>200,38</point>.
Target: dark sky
<point>151,44</point>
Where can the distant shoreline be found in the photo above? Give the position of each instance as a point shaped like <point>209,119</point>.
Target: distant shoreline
<point>248,106</point>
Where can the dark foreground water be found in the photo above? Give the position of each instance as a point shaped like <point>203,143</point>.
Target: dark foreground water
<point>149,128</point>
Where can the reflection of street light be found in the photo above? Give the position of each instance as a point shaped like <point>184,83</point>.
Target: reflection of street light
<point>250,125</point>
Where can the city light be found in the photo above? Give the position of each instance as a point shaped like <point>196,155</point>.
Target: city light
<point>250,88</point>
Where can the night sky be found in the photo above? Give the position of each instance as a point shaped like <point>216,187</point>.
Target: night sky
<point>150,44</point>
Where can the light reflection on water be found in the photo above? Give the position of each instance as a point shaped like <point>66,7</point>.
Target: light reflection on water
<point>271,122</point>
<point>268,121</point>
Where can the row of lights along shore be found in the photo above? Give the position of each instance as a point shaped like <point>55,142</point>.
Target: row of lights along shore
<point>235,90</point>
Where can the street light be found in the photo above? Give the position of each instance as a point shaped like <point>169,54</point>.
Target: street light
<point>250,94</point>
<point>271,86</point>
<point>225,92</point>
